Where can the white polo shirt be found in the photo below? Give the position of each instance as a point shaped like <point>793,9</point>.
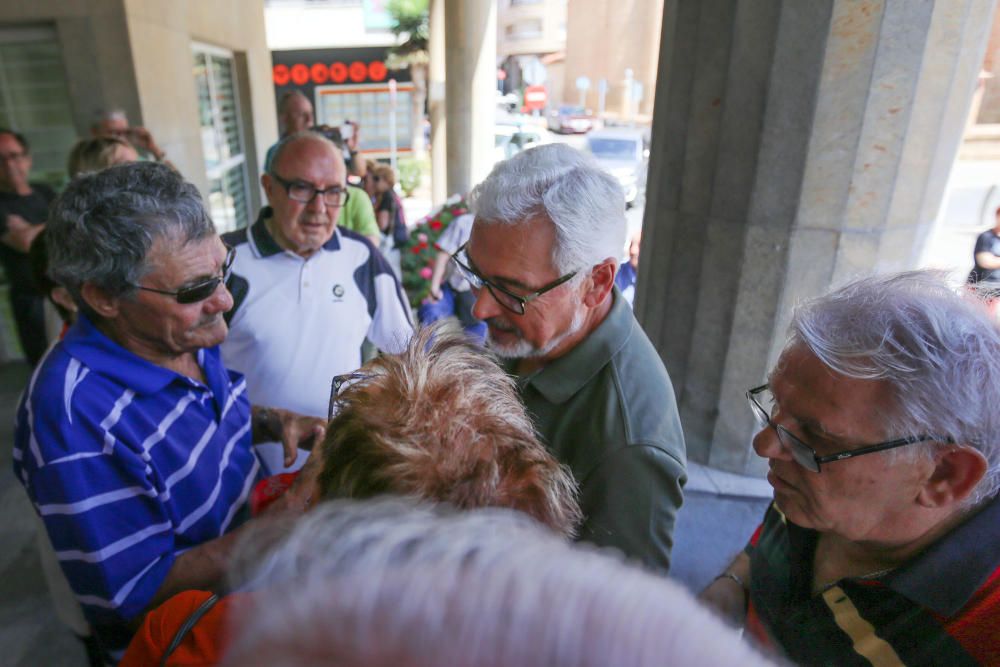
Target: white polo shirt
<point>298,322</point>
<point>451,239</point>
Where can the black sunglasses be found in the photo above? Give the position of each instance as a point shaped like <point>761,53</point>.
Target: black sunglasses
<point>202,290</point>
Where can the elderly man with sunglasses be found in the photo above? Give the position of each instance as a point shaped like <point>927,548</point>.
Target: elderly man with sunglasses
<point>880,428</point>
<point>541,260</point>
<point>133,440</point>
<point>307,293</point>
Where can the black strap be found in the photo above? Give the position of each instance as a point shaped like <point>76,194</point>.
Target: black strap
<point>189,623</point>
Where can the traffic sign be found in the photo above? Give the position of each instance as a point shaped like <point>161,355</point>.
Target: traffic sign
<point>533,72</point>
<point>535,98</point>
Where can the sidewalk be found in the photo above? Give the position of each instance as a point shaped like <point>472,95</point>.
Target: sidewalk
<point>720,512</point>
<point>30,633</point>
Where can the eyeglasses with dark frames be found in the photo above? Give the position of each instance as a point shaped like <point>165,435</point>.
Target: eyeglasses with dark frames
<point>302,192</point>
<point>806,456</point>
<point>515,303</point>
<point>202,290</point>
<point>341,382</point>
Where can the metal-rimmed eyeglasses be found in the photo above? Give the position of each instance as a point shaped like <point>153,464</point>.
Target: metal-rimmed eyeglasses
<point>303,192</point>
<point>515,303</point>
<point>341,382</point>
<point>762,405</point>
<point>202,290</point>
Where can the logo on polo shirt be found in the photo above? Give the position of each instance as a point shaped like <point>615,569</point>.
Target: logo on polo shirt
<point>338,291</point>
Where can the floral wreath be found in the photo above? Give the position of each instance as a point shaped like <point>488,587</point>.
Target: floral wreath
<point>417,256</point>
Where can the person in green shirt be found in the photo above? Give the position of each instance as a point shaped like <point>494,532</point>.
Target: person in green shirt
<point>358,215</point>
<point>541,260</point>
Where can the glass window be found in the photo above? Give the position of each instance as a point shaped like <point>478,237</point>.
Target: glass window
<point>34,99</point>
<point>222,138</point>
<point>526,29</point>
<point>370,106</point>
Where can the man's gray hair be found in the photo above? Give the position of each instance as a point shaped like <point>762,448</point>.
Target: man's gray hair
<point>102,115</point>
<point>102,226</point>
<point>295,137</point>
<point>938,349</point>
<point>585,204</point>
<point>386,583</point>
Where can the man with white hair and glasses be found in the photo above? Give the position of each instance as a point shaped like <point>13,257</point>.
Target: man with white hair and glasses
<point>306,292</point>
<point>541,259</point>
<point>880,428</point>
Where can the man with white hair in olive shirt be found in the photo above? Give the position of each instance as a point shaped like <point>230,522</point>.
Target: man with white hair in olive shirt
<point>541,260</point>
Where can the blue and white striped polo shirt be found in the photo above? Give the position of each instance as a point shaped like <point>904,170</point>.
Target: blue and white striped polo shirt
<point>130,464</point>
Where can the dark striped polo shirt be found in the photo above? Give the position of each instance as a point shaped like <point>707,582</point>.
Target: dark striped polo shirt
<point>941,608</point>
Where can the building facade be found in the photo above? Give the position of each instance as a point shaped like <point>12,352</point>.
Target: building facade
<point>196,73</point>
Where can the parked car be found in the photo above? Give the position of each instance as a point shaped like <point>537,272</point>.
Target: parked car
<point>571,119</point>
<point>512,139</point>
<point>508,102</point>
<point>622,153</point>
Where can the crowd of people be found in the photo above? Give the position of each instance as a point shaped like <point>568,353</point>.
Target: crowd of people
<point>242,449</point>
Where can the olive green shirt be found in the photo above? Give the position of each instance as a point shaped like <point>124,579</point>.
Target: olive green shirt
<point>607,410</point>
<point>357,214</point>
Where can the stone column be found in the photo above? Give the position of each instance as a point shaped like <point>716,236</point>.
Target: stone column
<point>795,145</point>
<point>436,103</point>
<point>471,44</point>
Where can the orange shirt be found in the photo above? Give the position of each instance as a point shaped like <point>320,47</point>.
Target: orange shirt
<point>204,644</point>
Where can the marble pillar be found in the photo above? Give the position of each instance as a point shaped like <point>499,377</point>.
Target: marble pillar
<point>795,145</point>
<point>436,104</point>
<point>470,57</point>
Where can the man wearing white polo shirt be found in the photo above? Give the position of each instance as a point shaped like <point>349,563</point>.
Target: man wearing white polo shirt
<point>307,293</point>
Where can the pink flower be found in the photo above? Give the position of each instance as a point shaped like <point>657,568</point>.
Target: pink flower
<point>425,273</point>
<point>422,237</point>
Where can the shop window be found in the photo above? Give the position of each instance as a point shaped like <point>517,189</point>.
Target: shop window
<point>34,99</point>
<point>222,138</point>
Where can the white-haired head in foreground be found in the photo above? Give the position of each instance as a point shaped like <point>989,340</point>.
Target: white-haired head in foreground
<point>936,346</point>
<point>388,583</point>
<point>585,204</point>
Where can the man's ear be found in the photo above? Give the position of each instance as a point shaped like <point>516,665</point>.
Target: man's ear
<point>602,278</point>
<point>956,473</point>
<point>99,301</point>
<point>61,296</point>
<point>267,183</point>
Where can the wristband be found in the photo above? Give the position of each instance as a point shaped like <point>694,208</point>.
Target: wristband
<point>730,575</point>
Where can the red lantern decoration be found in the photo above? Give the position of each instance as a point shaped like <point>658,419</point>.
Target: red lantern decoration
<point>377,70</point>
<point>280,75</point>
<point>319,73</point>
<point>358,71</point>
<point>300,74</point>
<point>338,72</point>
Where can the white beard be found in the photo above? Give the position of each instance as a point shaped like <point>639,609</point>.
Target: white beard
<point>522,349</point>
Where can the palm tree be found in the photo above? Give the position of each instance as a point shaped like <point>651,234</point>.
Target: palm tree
<point>410,18</point>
